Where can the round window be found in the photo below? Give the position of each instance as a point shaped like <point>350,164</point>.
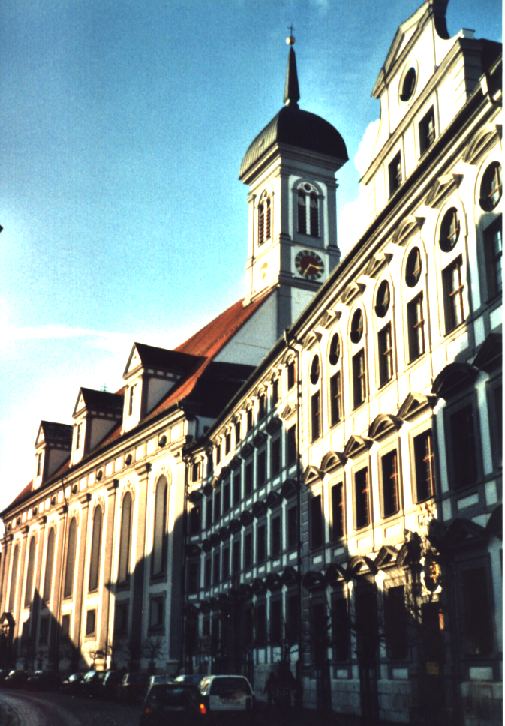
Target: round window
<point>315,370</point>
<point>490,188</point>
<point>449,230</point>
<point>357,326</point>
<point>414,267</point>
<point>408,85</point>
<point>334,350</point>
<point>382,300</point>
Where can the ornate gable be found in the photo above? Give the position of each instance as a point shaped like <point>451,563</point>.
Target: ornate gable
<point>331,461</point>
<point>311,475</point>
<point>414,404</point>
<point>384,424</point>
<point>356,445</point>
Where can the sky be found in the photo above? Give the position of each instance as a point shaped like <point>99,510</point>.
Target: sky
<point>123,127</point>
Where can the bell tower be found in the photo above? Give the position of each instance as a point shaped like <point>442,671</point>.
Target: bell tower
<point>292,221</point>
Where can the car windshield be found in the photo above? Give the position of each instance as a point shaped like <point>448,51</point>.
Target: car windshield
<point>229,686</point>
<point>168,695</point>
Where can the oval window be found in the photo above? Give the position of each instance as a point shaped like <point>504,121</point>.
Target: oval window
<point>449,230</point>
<point>357,326</point>
<point>315,370</point>
<point>382,300</point>
<point>414,267</point>
<point>334,350</point>
<point>408,85</point>
<point>490,188</point>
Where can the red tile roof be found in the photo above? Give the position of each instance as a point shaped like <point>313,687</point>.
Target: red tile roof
<point>206,343</point>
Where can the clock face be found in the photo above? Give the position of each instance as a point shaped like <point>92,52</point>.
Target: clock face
<point>309,265</point>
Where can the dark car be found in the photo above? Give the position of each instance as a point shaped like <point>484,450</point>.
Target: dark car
<point>134,686</point>
<point>111,684</point>
<point>3,675</point>
<point>92,683</point>
<point>16,679</point>
<point>170,703</point>
<point>226,698</point>
<point>189,679</point>
<point>43,681</point>
<point>72,683</point>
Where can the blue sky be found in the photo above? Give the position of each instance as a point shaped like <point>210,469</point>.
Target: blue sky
<point>123,127</point>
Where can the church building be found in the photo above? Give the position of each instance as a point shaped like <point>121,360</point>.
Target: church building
<point>311,484</point>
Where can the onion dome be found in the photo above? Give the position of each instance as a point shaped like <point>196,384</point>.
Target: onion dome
<point>294,127</point>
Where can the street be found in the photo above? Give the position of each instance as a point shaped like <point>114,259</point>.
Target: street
<point>19,708</point>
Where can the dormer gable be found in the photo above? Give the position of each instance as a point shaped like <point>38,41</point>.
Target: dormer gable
<point>150,374</point>
<point>52,448</point>
<point>95,414</point>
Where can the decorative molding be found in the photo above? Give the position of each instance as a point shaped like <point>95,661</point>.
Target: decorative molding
<point>356,444</point>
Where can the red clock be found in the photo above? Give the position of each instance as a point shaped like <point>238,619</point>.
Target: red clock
<point>309,265</point>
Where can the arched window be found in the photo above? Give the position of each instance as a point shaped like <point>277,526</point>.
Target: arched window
<point>125,539</point>
<point>159,556</point>
<point>29,572</point>
<point>14,577</point>
<point>308,211</point>
<point>261,223</point>
<point>70,564</point>
<point>268,220</point>
<point>96,542</point>
<point>449,230</point>
<point>48,574</point>
<point>491,187</point>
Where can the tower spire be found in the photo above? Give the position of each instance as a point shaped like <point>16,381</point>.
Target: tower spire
<point>291,88</point>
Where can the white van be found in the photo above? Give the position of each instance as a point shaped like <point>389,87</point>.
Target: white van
<point>228,694</point>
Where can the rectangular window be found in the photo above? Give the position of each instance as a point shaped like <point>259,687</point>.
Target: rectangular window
<point>249,472</point>
<point>208,512</point>
<point>463,446</point>
<point>193,583</point>
<point>39,464</point>
<point>130,401</point>
<point>227,443</point>
<point>218,452</point>
<point>217,504</point>
<point>292,532</point>
<point>316,522</point>
<point>249,419</point>
<point>236,556</point>
<point>340,626</point>
<point>121,619</point>
<point>44,630</point>
<point>260,623</point>
<point>275,456</point>
<point>415,323</point>
<point>248,551</point>
<point>385,355</point>
<point>275,543</point>
<point>477,613</point>
<point>318,632</point>
<point>78,436</point>
<point>292,617</point>
<point>427,131</point>
<point>359,378</point>
<point>275,392</point>
<point>236,486</point>
<point>362,501</point>
<point>226,496</point>
<point>208,570</point>
<point>262,405</point>
<point>90,622</point>
<point>395,173</point>
<point>65,626</point>
<point>315,415</point>
<point>261,543</point>
<point>291,374</point>
<point>337,512</point>
<point>493,243</point>
<point>226,563</point>
<point>395,623</point>
<point>275,620</point>
<point>261,468</point>
<point>335,398</point>
<point>390,489</point>
<point>495,408</point>
<point>237,432</point>
<point>195,471</point>
<point>453,295</point>
<point>195,519</point>
<point>423,456</point>
<point>216,567</point>
<point>291,446</point>
<point>156,613</point>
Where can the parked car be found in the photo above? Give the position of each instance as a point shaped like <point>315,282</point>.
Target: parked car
<point>111,684</point>
<point>43,681</point>
<point>16,679</point>
<point>4,672</point>
<point>92,683</point>
<point>189,679</point>
<point>170,703</point>
<point>72,683</point>
<point>134,686</point>
<point>223,696</point>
